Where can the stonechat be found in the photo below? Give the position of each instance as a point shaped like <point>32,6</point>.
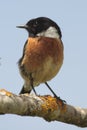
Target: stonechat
<point>42,54</point>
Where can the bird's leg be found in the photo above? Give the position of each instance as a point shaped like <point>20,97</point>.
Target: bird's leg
<point>63,101</point>
<point>31,83</point>
<point>50,89</point>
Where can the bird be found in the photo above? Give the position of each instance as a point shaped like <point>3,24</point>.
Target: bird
<point>43,53</point>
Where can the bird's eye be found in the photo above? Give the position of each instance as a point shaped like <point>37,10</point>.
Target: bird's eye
<point>36,23</point>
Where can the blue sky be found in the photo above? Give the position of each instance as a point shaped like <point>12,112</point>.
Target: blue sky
<point>70,83</point>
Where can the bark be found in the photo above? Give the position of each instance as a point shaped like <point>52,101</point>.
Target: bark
<point>47,107</point>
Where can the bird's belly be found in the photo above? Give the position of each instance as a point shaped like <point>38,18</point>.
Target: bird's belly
<point>43,59</point>
<point>45,72</point>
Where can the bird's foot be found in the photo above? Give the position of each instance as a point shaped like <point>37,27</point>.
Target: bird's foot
<point>60,100</point>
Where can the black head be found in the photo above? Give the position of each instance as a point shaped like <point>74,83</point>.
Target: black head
<point>39,25</point>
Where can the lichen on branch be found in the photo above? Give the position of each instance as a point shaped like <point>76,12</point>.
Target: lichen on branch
<point>47,107</point>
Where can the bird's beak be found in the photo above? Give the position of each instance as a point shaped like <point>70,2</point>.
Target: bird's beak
<point>22,26</point>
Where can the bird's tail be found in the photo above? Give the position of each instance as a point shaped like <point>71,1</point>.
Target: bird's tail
<point>24,91</point>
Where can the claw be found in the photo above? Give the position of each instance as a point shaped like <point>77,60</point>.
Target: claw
<point>62,101</point>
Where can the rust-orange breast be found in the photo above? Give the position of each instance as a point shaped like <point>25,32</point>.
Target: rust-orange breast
<point>43,55</point>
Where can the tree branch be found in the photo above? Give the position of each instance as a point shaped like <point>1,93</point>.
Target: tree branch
<point>46,107</point>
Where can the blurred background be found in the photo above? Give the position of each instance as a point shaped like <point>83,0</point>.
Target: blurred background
<point>70,84</point>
